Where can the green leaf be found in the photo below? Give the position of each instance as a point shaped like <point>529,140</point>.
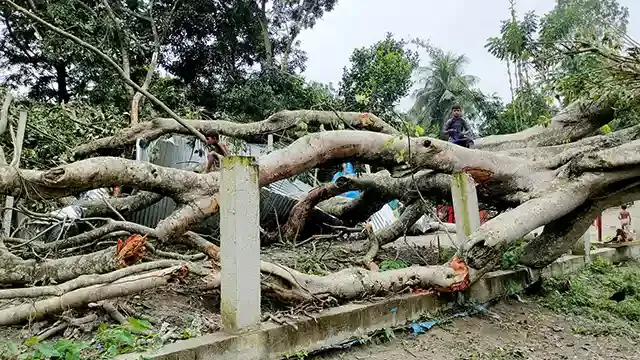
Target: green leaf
<point>362,99</point>
<point>123,337</point>
<point>139,325</point>
<point>419,130</point>
<point>47,350</point>
<point>11,349</point>
<point>31,341</point>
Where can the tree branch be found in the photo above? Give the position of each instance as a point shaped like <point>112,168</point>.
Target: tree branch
<point>277,122</point>
<point>99,172</point>
<point>124,44</point>
<point>560,234</point>
<point>124,205</point>
<point>122,287</point>
<point>576,121</point>
<point>135,102</point>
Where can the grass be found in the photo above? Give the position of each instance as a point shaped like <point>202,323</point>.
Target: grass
<point>586,294</point>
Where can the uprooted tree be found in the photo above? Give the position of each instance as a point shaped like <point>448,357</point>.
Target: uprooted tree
<point>558,176</point>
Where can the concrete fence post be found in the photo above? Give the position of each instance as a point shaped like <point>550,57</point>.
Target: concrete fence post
<point>465,206</point>
<point>587,246</point>
<point>15,162</point>
<point>239,243</point>
<point>269,143</point>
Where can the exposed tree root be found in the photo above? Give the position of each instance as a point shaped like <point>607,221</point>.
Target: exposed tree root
<point>85,281</point>
<point>18,271</point>
<point>79,297</point>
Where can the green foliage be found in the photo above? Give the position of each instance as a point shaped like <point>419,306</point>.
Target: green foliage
<point>52,130</point>
<point>511,257</point>
<point>392,265</point>
<point>61,349</point>
<point>218,74</point>
<point>586,294</point>
<point>600,20</point>
<point>530,107</point>
<point>378,77</point>
<point>271,91</point>
<point>115,340</point>
<point>545,62</point>
<point>109,342</point>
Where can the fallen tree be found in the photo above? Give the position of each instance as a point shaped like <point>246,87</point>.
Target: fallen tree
<point>534,193</point>
<point>550,176</point>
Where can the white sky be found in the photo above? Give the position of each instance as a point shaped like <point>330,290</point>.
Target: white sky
<point>461,26</point>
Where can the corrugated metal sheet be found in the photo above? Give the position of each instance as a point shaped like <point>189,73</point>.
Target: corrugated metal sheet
<point>276,200</point>
<point>288,187</point>
<point>177,152</point>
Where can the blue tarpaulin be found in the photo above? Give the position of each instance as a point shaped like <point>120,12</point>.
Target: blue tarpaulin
<point>348,171</point>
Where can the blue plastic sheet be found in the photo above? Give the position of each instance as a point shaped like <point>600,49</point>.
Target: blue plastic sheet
<point>348,171</point>
<point>422,327</point>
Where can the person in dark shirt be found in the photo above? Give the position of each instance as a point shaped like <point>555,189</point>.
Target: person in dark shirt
<point>457,128</point>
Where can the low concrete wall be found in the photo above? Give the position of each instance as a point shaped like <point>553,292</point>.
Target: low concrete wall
<point>336,325</point>
<point>330,327</point>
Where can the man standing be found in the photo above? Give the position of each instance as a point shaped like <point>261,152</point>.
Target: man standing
<point>457,128</point>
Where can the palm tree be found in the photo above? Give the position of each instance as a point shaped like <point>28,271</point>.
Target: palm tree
<point>443,85</point>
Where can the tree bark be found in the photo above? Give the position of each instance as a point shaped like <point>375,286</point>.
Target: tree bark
<point>256,131</point>
<point>539,188</point>
<point>83,296</point>
<point>576,121</point>
<point>124,205</point>
<point>84,281</point>
<point>560,234</point>
<point>62,92</point>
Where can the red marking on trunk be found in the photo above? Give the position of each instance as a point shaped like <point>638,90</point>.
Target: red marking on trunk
<point>131,250</point>
<point>461,269</point>
<point>480,176</point>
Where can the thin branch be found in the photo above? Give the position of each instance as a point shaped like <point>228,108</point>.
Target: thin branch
<point>135,102</point>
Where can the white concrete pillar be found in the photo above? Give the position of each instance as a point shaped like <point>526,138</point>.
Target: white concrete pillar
<point>269,143</point>
<point>239,243</point>
<point>587,246</point>
<point>465,206</point>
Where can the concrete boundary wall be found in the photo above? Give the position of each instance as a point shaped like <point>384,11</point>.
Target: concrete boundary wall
<point>336,325</point>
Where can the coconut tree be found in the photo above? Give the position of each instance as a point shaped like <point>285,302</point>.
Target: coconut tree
<point>444,83</point>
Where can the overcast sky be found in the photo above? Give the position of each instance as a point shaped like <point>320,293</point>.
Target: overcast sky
<point>461,26</point>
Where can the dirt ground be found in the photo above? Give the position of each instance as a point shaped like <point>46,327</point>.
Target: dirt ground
<point>509,331</point>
